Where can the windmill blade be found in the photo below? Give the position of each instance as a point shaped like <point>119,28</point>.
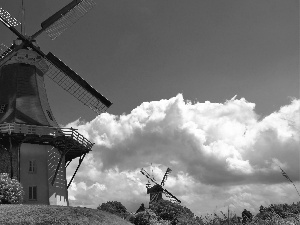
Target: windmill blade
<point>75,85</point>
<point>169,194</point>
<point>165,176</point>
<point>145,173</point>
<point>64,18</point>
<point>10,23</point>
<point>7,19</point>
<point>4,50</point>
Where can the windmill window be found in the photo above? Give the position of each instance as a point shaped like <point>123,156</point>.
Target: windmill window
<point>33,193</point>
<point>49,115</point>
<point>3,108</point>
<point>32,166</point>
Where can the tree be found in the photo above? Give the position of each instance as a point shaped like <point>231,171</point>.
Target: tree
<point>247,216</point>
<point>11,191</point>
<point>114,207</point>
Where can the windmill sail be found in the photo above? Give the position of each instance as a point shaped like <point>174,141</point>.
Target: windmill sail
<point>165,176</point>
<point>65,17</point>
<point>144,172</point>
<point>7,19</point>
<point>170,195</point>
<point>4,50</point>
<point>75,85</point>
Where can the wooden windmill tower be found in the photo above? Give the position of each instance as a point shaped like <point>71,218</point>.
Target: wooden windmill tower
<point>33,148</point>
<point>157,189</point>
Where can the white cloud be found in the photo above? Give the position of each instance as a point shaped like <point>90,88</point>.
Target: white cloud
<point>212,146</point>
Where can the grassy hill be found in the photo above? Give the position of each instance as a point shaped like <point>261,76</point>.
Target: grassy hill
<point>43,214</point>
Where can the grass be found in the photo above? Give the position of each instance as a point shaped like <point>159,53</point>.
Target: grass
<point>44,214</point>
<point>66,215</point>
<point>273,220</point>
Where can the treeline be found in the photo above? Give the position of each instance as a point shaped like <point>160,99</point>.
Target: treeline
<point>280,210</point>
<point>167,213</point>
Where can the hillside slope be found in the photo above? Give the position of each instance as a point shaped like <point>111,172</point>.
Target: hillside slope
<point>44,214</point>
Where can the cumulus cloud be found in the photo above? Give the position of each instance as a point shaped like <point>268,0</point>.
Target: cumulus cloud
<point>207,145</point>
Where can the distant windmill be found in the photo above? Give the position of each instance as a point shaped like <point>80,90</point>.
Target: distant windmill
<point>32,146</point>
<point>157,189</point>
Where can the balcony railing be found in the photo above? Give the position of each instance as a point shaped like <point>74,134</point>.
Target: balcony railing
<point>14,128</point>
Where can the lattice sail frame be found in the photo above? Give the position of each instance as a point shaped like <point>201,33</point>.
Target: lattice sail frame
<point>10,21</point>
<point>4,50</point>
<point>168,171</point>
<point>71,17</point>
<point>75,85</point>
<point>6,18</point>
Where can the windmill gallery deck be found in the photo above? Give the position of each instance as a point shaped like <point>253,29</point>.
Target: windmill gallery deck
<point>33,148</point>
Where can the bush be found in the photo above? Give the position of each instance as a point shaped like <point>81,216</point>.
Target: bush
<point>141,218</point>
<point>115,208</point>
<point>173,212</point>
<point>148,217</point>
<point>11,191</point>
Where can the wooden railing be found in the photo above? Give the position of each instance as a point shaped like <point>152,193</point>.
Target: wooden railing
<point>45,130</point>
<point>72,133</point>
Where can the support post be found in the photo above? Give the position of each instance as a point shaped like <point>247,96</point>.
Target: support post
<point>80,161</point>
<point>19,163</point>
<point>228,216</point>
<point>11,158</point>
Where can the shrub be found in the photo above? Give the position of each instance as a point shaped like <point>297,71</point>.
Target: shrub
<point>114,207</point>
<point>11,191</point>
<point>173,212</point>
<point>148,217</point>
<point>141,218</point>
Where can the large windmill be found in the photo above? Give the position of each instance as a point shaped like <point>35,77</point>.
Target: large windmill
<point>33,148</point>
<point>156,190</point>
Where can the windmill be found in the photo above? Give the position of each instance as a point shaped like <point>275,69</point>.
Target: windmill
<point>33,148</point>
<point>157,189</point>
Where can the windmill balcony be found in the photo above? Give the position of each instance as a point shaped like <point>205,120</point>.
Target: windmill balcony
<point>67,140</point>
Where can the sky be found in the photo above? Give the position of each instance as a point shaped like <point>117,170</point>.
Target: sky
<point>207,88</point>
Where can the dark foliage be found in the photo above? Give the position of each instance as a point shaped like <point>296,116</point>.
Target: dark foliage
<point>175,213</point>
<point>141,219</point>
<point>148,217</point>
<point>11,191</point>
<point>247,216</point>
<point>114,207</point>
<point>279,210</point>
